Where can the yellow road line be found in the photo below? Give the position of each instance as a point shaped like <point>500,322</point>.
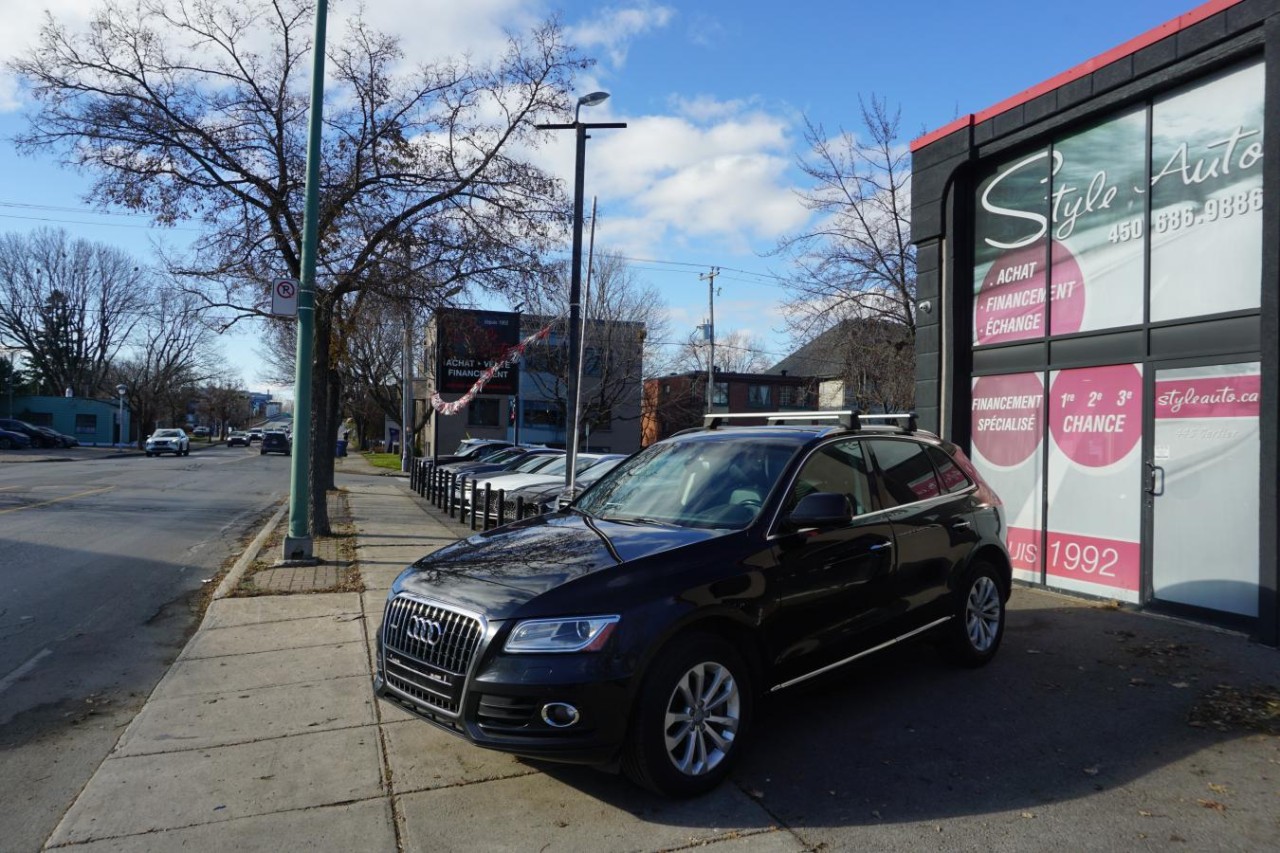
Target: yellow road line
<point>59,500</point>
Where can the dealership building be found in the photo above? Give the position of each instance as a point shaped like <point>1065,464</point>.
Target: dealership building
<point>1099,317</point>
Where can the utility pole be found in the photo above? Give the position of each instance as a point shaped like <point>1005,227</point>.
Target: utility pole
<point>710,278</point>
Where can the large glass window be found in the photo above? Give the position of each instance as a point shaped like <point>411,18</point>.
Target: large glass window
<point>482,411</point>
<point>1068,224</point>
<point>1098,225</point>
<point>1206,197</point>
<point>1095,480</point>
<point>1011,230</point>
<point>1008,428</point>
<point>86,424</point>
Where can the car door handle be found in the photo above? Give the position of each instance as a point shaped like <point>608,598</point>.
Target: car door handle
<point>880,546</point>
<point>960,525</point>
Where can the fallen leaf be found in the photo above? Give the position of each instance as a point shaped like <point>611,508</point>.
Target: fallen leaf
<point>1092,771</point>
<point>756,793</point>
<point>1028,815</point>
<point>1218,789</point>
<point>1212,804</point>
<point>1180,684</point>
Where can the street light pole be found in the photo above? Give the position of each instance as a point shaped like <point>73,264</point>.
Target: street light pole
<point>298,542</point>
<point>123,438</point>
<point>575,274</point>
<point>518,367</point>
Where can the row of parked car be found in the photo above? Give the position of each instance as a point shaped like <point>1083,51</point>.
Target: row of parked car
<point>17,434</point>
<point>522,480</point>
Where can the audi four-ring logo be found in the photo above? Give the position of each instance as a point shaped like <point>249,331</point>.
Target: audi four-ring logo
<point>424,630</point>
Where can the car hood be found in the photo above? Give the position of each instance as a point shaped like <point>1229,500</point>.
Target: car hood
<point>496,572</point>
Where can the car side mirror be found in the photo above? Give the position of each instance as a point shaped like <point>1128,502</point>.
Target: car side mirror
<point>821,510</point>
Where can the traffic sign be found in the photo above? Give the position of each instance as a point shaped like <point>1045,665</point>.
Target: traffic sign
<point>284,297</point>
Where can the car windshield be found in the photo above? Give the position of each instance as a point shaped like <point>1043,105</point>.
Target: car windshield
<point>505,455</point>
<point>719,484</point>
<point>536,463</point>
<point>598,469</point>
<point>169,433</point>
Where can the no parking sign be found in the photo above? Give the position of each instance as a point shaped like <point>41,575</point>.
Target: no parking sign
<point>284,297</point>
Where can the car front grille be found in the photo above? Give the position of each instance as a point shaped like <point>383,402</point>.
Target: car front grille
<point>427,650</point>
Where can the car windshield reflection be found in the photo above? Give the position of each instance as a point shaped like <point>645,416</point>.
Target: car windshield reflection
<point>705,484</point>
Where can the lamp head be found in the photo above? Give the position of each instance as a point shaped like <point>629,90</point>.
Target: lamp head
<point>589,100</point>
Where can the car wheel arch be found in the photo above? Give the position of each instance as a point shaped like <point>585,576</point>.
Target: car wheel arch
<point>993,556</point>
<point>730,627</point>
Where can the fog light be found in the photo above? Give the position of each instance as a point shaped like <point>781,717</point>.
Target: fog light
<point>559,715</point>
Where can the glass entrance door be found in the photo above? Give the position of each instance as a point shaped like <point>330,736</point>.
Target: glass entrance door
<point>1202,487</point>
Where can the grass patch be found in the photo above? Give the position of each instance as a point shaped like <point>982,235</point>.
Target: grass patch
<point>390,461</point>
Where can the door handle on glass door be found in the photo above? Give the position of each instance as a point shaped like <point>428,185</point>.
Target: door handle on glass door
<point>1156,488</point>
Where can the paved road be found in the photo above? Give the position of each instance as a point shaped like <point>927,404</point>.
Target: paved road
<point>102,561</point>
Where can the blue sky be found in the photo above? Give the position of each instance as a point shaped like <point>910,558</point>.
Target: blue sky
<point>715,94</point>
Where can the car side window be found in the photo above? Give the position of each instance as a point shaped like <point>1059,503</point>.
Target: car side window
<point>839,467</point>
<point>908,473</point>
<point>953,479</point>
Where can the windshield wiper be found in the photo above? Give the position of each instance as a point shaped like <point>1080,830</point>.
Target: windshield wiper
<point>639,519</point>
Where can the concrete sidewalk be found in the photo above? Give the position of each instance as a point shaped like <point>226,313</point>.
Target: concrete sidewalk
<point>265,735</point>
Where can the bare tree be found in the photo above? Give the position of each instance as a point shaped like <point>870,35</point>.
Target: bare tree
<point>70,304</point>
<point>857,261</point>
<point>225,401</point>
<point>196,109</point>
<point>736,351</point>
<point>172,355</point>
<point>622,317</point>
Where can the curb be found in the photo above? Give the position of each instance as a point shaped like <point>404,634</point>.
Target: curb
<point>250,554</point>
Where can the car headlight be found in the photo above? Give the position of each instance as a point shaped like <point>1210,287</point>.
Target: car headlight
<point>573,634</point>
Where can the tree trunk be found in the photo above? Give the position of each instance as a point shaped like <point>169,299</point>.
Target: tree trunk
<point>321,463</point>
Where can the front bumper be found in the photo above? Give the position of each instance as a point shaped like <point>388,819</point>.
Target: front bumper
<point>498,700</point>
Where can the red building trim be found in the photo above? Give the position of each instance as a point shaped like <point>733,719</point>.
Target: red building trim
<point>1195,16</point>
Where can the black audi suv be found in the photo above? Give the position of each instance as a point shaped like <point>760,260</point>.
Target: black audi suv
<point>638,627</point>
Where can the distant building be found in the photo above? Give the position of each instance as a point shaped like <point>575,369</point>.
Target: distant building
<point>526,402</point>
<point>89,421</point>
<point>678,401</point>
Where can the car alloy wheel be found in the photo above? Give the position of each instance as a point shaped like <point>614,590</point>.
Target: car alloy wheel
<point>703,715</point>
<point>691,717</point>
<point>982,614</point>
<point>972,636</point>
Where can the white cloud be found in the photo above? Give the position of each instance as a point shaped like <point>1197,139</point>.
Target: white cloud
<point>727,181</point>
<point>614,28</point>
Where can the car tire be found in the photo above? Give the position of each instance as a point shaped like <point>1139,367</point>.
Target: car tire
<point>973,636</point>
<point>674,746</point>
<point>5,443</point>
<point>149,454</point>
<point>262,453</point>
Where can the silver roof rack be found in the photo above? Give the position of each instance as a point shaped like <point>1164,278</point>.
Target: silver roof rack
<point>847,418</point>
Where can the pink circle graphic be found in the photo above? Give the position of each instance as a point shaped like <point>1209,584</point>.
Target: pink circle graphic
<point>1008,417</point>
<point>1095,413</point>
<point>1010,304</point>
